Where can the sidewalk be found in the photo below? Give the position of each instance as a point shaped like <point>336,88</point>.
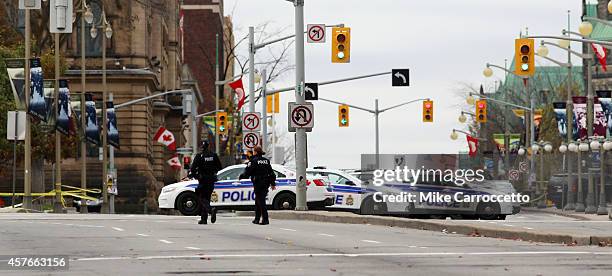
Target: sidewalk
<point>568,213</point>
<point>578,233</point>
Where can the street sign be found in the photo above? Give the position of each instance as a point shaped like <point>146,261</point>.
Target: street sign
<point>60,16</point>
<point>251,121</point>
<point>316,33</point>
<point>251,139</point>
<point>400,77</point>
<point>19,128</point>
<point>311,91</point>
<point>29,4</point>
<point>301,116</point>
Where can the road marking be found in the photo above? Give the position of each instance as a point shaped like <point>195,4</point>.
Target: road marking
<point>287,229</point>
<point>396,254</point>
<point>165,241</point>
<point>492,222</point>
<point>118,229</point>
<point>161,221</point>
<point>509,225</point>
<point>423,247</point>
<point>412,246</point>
<point>327,235</point>
<point>528,228</point>
<point>192,248</point>
<point>143,235</point>
<point>370,241</point>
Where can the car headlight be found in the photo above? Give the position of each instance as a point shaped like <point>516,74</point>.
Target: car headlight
<point>169,189</point>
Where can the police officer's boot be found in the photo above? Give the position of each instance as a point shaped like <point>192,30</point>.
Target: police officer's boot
<point>213,215</point>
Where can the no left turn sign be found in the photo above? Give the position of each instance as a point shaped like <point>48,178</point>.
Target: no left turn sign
<point>251,121</point>
<point>316,33</point>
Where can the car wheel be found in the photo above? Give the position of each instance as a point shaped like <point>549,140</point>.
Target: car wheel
<point>188,204</point>
<point>370,207</point>
<point>284,201</point>
<point>488,211</point>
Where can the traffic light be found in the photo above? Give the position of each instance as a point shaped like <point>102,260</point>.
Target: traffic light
<point>428,111</point>
<point>343,116</point>
<point>481,111</point>
<point>524,57</point>
<point>341,45</point>
<point>221,123</point>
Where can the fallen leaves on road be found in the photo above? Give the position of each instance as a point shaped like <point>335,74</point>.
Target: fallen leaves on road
<point>332,269</point>
<point>604,243</point>
<point>475,233</point>
<point>574,243</point>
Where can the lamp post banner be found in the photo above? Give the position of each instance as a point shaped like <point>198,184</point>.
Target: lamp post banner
<point>92,131</point>
<point>38,105</point>
<point>111,125</point>
<point>65,121</point>
<point>561,115</point>
<point>15,71</point>
<point>605,99</point>
<point>580,113</point>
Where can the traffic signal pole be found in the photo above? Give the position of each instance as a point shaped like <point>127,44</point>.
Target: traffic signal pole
<point>300,133</point>
<point>376,113</point>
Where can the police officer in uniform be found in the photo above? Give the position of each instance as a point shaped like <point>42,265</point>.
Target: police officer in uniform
<point>263,177</point>
<point>204,168</point>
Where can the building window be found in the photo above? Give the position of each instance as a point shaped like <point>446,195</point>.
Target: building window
<point>93,46</point>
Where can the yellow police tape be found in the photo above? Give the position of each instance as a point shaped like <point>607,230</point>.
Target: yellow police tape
<point>72,191</point>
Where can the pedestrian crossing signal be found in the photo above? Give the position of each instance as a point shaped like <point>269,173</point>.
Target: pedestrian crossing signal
<point>428,111</point>
<point>343,116</point>
<point>221,123</point>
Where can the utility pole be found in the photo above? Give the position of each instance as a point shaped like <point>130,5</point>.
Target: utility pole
<point>252,69</point>
<point>300,133</point>
<point>27,177</point>
<point>264,112</point>
<point>217,92</point>
<point>376,113</point>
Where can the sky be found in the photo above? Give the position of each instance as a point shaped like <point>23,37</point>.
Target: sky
<point>444,43</point>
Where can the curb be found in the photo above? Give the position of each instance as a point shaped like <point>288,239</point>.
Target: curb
<point>559,213</point>
<point>441,226</point>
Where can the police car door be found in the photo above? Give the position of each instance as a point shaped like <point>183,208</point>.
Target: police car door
<point>348,194</point>
<point>231,191</point>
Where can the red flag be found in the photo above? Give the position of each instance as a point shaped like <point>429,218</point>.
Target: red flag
<point>472,145</point>
<point>174,162</point>
<point>239,88</point>
<point>601,54</point>
<point>165,137</point>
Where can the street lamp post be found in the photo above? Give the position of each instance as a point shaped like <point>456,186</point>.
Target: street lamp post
<point>107,34</point>
<point>582,147</point>
<point>86,16</point>
<point>603,207</point>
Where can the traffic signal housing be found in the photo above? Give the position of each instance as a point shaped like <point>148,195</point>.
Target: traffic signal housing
<point>481,111</point>
<point>343,116</point>
<point>341,45</point>
<point>221,123</point>
<point>524,60</point>
<point>428,111</point>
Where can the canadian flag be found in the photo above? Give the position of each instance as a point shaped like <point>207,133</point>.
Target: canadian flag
<point>165,137</point>
<point>174,162</point>
<point>472,145</point>
<point>239,88</point>
<point>601,53</point>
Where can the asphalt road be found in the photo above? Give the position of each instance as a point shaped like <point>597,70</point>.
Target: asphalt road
<point>162,245</point>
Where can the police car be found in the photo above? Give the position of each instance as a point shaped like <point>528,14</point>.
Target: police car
<point>355,194</point>
<point>237,194</point>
